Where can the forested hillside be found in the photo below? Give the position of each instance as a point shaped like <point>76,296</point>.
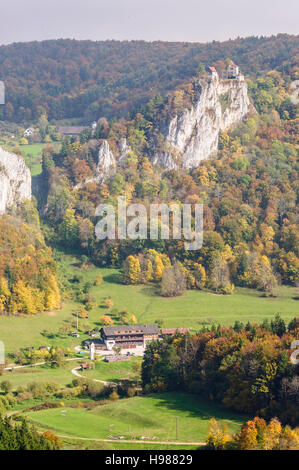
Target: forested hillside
<point>249,191</point>
<point>28,281</point>
<point>88,80</point>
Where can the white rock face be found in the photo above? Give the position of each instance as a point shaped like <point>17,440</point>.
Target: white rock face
<point>123,148</point>
<point>106,159</point>
<point>15,180</point>
<point>193,135</point>
<point>107,162</point>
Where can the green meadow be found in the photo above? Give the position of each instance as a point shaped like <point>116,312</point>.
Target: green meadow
<point>115,371</point>
<point>153,417</point>
<point>32,155</point>
<point>23,377</point>
<point>193,310</point>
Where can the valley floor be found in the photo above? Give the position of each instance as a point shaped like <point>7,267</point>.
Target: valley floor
<point>149,418</point>
<point>193,310</point>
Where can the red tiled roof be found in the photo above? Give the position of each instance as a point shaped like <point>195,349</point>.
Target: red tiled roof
<point>72,130</point>
<point>213,69</point>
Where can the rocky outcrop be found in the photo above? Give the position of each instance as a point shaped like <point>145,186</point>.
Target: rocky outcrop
<point>123,149</point>
<point>107,162</point>
<point>106,159</point>
<point>15,181</point>
<point>193,135</point>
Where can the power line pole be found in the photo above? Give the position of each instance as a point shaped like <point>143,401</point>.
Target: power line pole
<point>176,428</point>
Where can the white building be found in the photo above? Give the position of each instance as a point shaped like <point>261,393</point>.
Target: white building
<point>28,132</point>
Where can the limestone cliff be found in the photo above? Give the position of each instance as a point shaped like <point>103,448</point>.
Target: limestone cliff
<point>193,135</point>
<point>15,180</point>
<point>107,161</point>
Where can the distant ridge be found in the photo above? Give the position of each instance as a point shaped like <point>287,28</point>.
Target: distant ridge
<point>87,80</point>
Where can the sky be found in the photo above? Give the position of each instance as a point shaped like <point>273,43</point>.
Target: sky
<point>168,20</point>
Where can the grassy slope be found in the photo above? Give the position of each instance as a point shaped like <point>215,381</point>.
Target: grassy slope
<point>23,377</point>
<point>151,416</point>
<point>32,154</point>
<point>192,310</point>
<point>114,371</point>
<point>104,371</point>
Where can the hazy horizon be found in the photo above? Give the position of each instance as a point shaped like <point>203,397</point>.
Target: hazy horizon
<point>148,20</point>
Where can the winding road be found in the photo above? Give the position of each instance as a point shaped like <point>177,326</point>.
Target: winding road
<point>75,372</point>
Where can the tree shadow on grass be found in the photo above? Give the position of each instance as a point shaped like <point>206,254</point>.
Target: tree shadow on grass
<point>113,278</point>
<point>196,407</point>
<point>150,291</point>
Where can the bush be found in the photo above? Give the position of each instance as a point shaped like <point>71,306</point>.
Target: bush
<point>114,396</point>
<point>98,280</point>
<point>131,392</point>
<point>6,386</point>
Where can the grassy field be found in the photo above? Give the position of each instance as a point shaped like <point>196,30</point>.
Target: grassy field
<point>33,155</point>
<point>110,372</point>
<point>46,373</point>
<point>116,371</point>
<point>192,310</point>
<point>151,416</point>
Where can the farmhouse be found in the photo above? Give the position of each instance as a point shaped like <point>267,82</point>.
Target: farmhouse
<point>71,131</point>
<point>129,336</point>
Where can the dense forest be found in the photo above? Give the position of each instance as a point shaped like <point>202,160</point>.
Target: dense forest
<point>22,436</point>
<point>89,80</point>
<point>28,282</point>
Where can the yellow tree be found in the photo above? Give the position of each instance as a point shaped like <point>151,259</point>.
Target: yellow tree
<point>248,436</point>
<point>218,435</point>
<point>131,270</point>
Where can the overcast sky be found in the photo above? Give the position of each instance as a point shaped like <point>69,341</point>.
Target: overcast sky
<point>171,20</point>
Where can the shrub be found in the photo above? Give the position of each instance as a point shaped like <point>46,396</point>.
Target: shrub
<point>6,386</point>
<point>114,396</point>
<point>131,392</point>
<point>98,280</point>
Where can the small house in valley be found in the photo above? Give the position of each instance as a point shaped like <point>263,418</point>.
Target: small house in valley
<point>71,131</point>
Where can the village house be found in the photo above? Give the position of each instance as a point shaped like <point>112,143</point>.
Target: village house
<point>29,132</point>
<point>213,72</point>
<point>71,131</point>
<point>93,334</point>
<point>98,344</point>
<point>129,336</point>
<point>233,70</point>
